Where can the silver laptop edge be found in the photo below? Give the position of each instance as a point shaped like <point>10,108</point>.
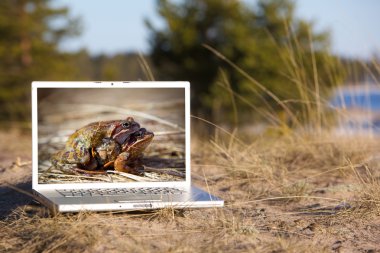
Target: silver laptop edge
<point>48,195</point>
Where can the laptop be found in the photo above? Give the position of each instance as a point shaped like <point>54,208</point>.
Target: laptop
<point>108,146</point>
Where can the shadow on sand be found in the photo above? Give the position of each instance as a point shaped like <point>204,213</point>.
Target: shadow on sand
<point>15,196</point>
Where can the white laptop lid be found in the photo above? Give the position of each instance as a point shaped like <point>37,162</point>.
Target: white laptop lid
<point>60,108</point>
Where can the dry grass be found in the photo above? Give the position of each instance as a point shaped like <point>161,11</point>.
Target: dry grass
<point>285,194</point>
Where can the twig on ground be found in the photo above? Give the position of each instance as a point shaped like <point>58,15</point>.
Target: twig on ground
<point>131,176</point>
<point>168,171</point>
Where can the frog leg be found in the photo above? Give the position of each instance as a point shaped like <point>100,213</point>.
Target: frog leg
<point>91,165</point>
<point>89,168</point>
<point>110,163</point>
<point>122,164</point>
<point>81,156</point>
<point>107,152</point>
<point>56,158</point>
<point>93,152</point>
<point>90,172</point>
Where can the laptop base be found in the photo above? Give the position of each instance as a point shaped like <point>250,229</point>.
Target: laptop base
<point>189,198</point>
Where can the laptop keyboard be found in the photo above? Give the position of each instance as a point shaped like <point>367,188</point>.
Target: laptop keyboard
<point>119,191</point>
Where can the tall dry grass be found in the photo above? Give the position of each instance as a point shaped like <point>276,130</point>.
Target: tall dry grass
<point>293,157</point>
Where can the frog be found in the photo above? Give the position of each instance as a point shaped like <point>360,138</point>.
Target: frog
<point>81,145</point>
<point>126,157</point>
<point>130,160</point>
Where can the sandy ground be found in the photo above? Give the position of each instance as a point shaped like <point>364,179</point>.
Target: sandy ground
<point>15,168</point>
<point>285,197</point>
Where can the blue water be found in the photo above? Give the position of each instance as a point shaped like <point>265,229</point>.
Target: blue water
<point>366,101</point>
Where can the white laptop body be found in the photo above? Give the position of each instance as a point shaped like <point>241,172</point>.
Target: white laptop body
<point>60,108</point>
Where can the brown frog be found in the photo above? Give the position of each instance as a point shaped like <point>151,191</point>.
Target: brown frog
<point>81,146</point>
<point>127,156</point>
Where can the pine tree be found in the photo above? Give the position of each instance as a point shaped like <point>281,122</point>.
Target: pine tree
<point>265,40</point>
<point>29,43</point>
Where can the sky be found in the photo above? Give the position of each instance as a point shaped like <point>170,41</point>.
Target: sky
<point>118,26</point>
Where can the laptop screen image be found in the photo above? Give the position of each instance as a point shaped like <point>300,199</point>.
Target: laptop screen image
<point>111,135</point>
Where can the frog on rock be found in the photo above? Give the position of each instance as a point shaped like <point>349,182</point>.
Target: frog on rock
<point>80,148</point>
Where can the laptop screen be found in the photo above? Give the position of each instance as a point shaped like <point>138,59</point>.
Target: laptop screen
<point>111,135</point>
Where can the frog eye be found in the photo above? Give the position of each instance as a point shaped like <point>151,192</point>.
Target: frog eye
<point>126,124</point>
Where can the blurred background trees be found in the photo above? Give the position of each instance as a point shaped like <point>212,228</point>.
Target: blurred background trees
<point>265,40</point>
<point>30,34</point>
<point>237,56</point>
<point>28,51</point>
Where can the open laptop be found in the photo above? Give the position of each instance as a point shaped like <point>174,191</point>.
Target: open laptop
<point>85,136</point>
